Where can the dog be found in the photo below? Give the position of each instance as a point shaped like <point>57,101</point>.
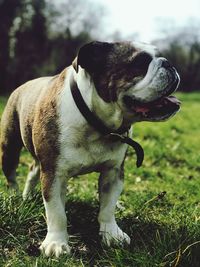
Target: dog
<point>61,120</point>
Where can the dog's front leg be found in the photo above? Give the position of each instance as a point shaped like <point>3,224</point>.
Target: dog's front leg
<point>56,241</point>
<point>110,188</point>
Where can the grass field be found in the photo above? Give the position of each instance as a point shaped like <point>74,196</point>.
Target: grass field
<point>164,227</point>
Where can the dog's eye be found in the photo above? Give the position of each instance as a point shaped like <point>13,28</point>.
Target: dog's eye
<point>139,65</point>
<point>142,60</point>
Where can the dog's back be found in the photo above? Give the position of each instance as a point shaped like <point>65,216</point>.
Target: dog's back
<point>21,114</point>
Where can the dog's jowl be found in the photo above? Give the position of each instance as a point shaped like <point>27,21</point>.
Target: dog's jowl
<point>62,121</point>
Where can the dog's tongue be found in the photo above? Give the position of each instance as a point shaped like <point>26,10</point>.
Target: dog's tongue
<point>147,106</point>
<point>141,109</point>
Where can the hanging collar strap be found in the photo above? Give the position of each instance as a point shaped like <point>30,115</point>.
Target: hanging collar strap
<point>118,135</point>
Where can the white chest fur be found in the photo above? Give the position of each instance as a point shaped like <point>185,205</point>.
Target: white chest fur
<point>82,149</point>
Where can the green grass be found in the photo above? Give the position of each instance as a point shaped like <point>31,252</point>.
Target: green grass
<point>165,228</point>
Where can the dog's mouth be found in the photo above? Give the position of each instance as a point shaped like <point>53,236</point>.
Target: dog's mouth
<point>159,109</point>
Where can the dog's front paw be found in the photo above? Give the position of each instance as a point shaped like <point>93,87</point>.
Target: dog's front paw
<point>112,235</point>
<point>55,244</point>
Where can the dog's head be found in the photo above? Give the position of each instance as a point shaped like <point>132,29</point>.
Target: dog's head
<point>131,75</point>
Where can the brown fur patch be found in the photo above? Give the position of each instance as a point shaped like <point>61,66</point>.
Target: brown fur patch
<point>46,133</point>
<point>31,116</point>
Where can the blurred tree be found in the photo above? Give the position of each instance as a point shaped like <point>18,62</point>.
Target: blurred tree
<point>194,66</point>
<point>39,37</point>
<point>74,17</point>
<point>187,62</point>
<point>73,23</point>
<point>8,10</point>
<point>30,49</point>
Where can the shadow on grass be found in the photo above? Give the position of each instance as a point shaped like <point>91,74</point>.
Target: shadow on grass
<point>155,239</point>
<point>151,241</point>
<point>83,228</point>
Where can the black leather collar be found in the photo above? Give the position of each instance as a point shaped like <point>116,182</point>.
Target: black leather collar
<point>121,134</point>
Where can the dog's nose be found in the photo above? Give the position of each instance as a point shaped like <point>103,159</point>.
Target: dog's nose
<point>165,64</point>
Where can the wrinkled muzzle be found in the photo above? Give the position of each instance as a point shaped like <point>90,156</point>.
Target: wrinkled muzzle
<point>150,98</point>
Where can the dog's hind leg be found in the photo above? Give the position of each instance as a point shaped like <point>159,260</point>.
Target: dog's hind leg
<point>31,180</point>
<point>11,144</point>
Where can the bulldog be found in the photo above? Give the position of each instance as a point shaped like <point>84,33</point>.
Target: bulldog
<point>62,119</point>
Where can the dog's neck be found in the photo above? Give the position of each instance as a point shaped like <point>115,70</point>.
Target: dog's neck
<point>109,113</point>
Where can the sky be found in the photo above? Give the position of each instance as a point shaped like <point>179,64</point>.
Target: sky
<point>147,18</point>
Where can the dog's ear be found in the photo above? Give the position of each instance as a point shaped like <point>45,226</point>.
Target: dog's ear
<point>93,56</point>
